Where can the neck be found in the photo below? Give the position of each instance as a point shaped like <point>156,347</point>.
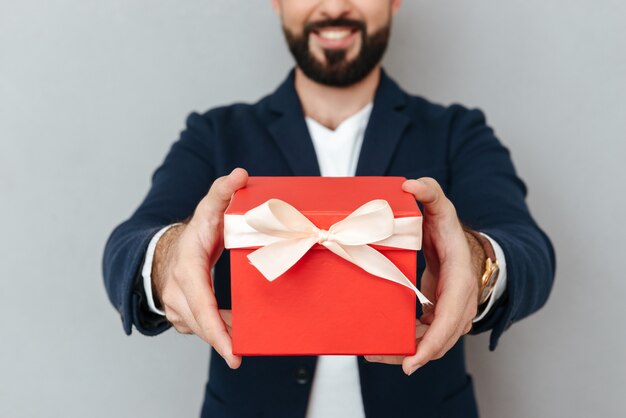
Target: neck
<point>332,105</point>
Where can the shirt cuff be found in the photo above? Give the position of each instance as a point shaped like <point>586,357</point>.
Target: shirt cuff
<point>146,270</point>
<point>500,286</point>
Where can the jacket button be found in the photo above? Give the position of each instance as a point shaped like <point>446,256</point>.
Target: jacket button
<point>302,375</point>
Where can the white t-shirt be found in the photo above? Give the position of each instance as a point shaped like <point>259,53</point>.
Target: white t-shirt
<point>336,390</point>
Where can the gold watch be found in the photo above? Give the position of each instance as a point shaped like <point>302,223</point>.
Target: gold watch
<point>490,273</point>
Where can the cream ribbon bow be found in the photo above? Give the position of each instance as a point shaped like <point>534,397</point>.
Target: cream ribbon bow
<point>284,235</point>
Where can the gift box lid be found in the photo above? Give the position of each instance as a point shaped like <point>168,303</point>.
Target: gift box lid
<point>325,200</point>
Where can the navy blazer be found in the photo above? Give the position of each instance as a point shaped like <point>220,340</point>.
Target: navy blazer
<point>406,136</point>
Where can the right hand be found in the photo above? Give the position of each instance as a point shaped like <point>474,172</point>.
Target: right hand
<point>181,275</point>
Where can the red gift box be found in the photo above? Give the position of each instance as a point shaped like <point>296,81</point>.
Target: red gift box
<point>322,304</point>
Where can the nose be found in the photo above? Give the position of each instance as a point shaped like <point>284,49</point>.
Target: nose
<point>335,9</point>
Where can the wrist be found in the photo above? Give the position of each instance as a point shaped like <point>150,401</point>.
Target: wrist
<point>478,255</point>
<point>488,269</point>
<point>162,262</point>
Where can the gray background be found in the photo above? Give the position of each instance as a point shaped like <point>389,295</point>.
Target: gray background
<point>93,93</point>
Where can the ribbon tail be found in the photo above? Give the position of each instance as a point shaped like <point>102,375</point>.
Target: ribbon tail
<point>274,259</point>
<point>375,263</point>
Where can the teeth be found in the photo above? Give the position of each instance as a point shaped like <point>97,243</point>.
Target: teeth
<point>334,34</point>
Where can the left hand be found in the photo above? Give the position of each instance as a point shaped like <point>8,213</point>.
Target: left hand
<point>450,279</point>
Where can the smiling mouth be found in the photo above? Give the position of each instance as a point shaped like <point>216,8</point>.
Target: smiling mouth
<point>335,37</point>
<point>335,34</point>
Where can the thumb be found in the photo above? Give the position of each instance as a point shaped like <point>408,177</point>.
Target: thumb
<point>213,205</point>
<point>428,192</point>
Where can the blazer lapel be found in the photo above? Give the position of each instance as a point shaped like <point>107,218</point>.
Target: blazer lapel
<point>290,132</point>
<point>384,130</point>
<point>383,133</point>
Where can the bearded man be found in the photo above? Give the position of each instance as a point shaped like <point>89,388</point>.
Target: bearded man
<point>485,261</point>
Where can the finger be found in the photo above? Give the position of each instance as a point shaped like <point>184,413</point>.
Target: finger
<point>213,205</point>
<point>428,317</point>
<point>177,311</point>
<point>188,318</point>
<point>179,324</point>
<point>428,284</point>
<point>178,321</point>
<point>464,326</point>
<point>420,330</point>
<point>214,331</point>
<point>427,191</point>
<point>183,329</point>
<point>203,306</point>
<point>449,313</point>
<point>461,331</point>
<point>385,359</point>
<point>190,322</point>
<point>227,316</point>
<point>229,329</point>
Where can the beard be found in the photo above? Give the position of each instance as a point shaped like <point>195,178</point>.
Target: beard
<point>337,71</point>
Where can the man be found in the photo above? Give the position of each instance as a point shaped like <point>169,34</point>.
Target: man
<point>336,114</point>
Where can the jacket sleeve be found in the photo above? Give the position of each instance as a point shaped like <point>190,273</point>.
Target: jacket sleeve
<point>490,198</point>
<point>178,185</point>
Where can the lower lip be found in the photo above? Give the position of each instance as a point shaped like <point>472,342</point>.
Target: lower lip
<point>335,43</point>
